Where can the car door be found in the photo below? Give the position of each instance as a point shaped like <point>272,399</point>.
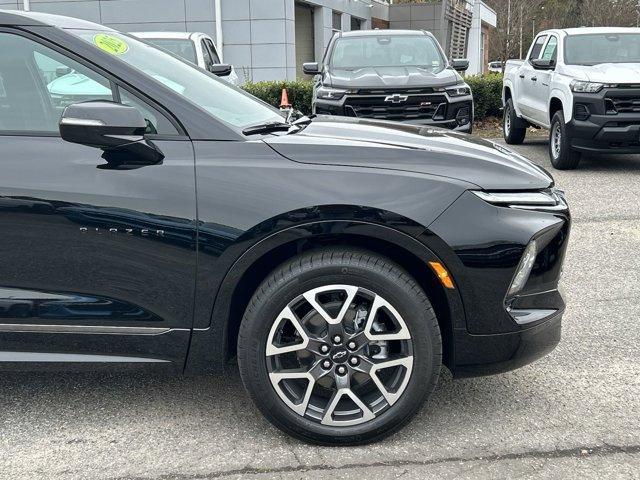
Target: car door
<point>542,88</point>
<point>528,80</point>
<point>97,262</point>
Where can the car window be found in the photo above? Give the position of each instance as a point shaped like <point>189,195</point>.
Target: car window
<point>37,83</point>
<point>550,50</point>
<point>597,48</point>
<point>157,123</point>
<point>222,100</point>
<point>205,53</point>
<point>212,49</point>
<point>537,47</point>
<point>183,48</point>
<point>351,53</point>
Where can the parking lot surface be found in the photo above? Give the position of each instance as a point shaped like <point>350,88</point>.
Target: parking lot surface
<point>573,414</point>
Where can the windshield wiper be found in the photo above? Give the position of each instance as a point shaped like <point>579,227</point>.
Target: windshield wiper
<point>266,128</point>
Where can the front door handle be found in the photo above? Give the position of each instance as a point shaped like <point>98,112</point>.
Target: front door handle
<point>522,76</point>
<point>534,79</point>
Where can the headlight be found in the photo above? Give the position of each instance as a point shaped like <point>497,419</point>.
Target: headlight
<point>328,93</point>
<point>587,87</point>
<point>541,200</point>
<point>461,90</point>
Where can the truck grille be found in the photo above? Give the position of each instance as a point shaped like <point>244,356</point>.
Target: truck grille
<point>418,107</point>
<point>623,104</point>
<point>391,91</point>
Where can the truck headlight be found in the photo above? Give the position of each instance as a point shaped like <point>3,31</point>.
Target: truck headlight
<point>580,86</point>
<point>329,93</point>
<point>461,90</point>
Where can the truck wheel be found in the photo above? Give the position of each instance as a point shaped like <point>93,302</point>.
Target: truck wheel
<point>513,135</point>
<point>339,347</point>
<point>560,152</point>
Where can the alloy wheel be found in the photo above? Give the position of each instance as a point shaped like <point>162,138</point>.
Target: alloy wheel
<point>339,355</point>
<point>556,140</point>
<point>507,121</point>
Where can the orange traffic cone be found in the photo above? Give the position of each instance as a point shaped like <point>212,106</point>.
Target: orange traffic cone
<point>284,101</point>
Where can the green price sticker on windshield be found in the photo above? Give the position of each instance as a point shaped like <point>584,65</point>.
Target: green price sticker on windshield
<point>111,44</point>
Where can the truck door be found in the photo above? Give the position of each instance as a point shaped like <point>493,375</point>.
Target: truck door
<point>528,79</point>
<point>542,87</point>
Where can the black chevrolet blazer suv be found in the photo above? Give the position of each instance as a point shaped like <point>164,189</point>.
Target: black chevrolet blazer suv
<point>153,216</point>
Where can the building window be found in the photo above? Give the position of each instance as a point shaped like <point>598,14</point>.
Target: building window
<point>356,23</point>
<point>337,21</point>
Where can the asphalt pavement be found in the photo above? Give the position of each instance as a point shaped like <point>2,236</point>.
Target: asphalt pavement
<point>572,414</point>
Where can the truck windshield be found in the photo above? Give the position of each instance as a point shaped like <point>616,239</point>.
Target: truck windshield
<point>223,101</point>
<point>593,49</point>
<point>352,53</point>
<point>181,47</point>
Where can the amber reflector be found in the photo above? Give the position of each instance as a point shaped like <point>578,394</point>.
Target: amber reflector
<point>443,274</point>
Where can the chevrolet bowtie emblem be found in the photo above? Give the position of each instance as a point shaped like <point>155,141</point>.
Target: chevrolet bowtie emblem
<point>396,98</point>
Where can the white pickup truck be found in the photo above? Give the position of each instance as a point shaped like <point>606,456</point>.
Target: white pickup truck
<point>583,85</point>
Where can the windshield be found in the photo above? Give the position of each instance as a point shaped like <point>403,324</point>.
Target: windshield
<point>178,46</point>
<point>350,53</point>
<point>593,49</point>
<point>225,102</point>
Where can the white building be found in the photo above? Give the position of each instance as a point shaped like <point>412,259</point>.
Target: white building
<point>270,39</point>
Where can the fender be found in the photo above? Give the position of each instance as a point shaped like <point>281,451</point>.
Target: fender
<point>567,104</point>
<point>208,350</point>
<point>509,84</point>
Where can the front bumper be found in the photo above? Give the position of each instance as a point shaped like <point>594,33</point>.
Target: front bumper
<point>438,110</point>
<point>477,355</point>
<point>607,121</point>
<point>502,332</point>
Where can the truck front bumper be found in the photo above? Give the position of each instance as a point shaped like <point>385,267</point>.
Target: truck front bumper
<point>607,121</point>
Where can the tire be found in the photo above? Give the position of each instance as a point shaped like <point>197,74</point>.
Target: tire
<point>560,153</point>
<point>512,135</point>
<point>328,276</point>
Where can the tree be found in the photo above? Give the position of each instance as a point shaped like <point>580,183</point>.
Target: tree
<point>537,15</point>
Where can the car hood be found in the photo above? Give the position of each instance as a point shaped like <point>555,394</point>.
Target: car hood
<point>605,72</point>
<point>390,77</point>
<point>409,148</point>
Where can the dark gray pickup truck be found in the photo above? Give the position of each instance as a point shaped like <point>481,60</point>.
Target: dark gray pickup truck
<point>400,75</point>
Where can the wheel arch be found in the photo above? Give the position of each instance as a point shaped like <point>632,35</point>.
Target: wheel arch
<point>506,93</point>
<point>261,259</point>
<point>557,102</point>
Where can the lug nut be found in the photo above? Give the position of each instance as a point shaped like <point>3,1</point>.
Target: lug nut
<point>351,345</point>
<point>326,364</point>
<point>342,370</point>
<point>337,339</point>
<point>354,361</point>
<point>324,348</point>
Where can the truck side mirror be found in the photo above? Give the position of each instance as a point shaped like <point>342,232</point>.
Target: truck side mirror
<point>311,68</point>
<point>540,64</point>
<point>460,64</point>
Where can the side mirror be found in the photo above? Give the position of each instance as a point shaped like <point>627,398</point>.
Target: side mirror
<point>540,64</point>
<point>311,68</point>
<point>460,64</point>
<point>115,128</point>
<point>221,69</point>
<point>62,71</point>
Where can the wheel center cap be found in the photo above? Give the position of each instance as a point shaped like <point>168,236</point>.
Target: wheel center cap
<point>339,355</point>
